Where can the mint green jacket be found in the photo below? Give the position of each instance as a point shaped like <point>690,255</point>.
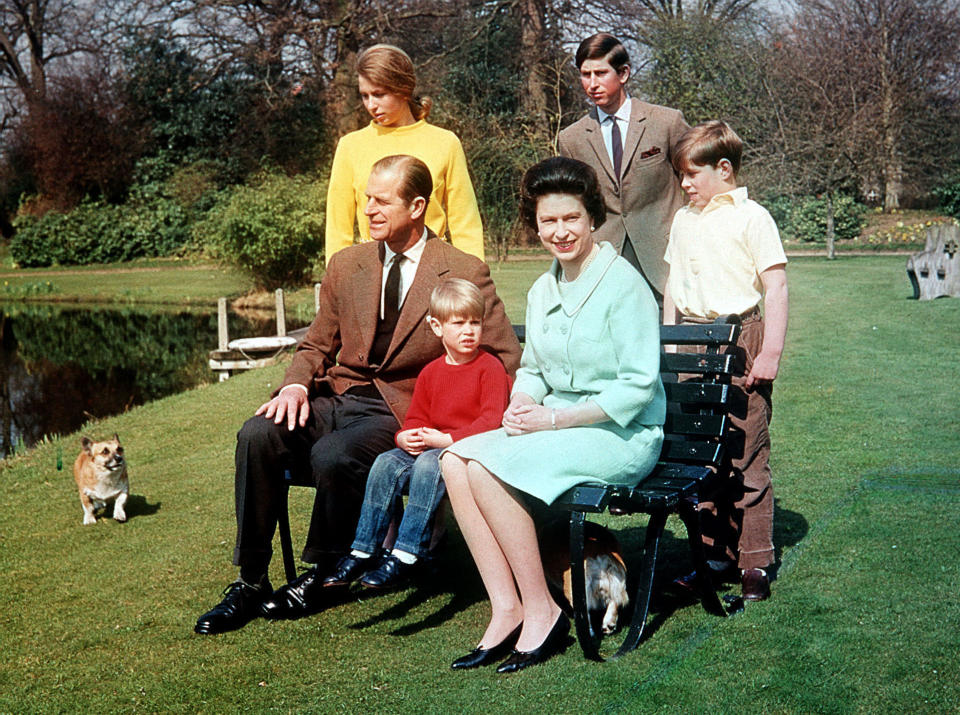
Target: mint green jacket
<point>597,338</point>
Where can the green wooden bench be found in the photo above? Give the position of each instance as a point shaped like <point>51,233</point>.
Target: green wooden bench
<point>696,432</point>
<point>695,440</point>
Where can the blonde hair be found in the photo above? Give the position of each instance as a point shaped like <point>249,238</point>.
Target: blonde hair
<point>706,144</point>
<point>391,68</point>
<point>456,297</point>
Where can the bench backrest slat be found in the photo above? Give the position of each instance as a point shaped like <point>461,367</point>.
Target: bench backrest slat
<point>691,393</point>
<point>709,334</point>
<point>696,425</point>
<point>676,450</point>
<point>697,364</point>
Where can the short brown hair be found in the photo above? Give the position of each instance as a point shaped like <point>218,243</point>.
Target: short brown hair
<point>601,46</point>
<point>391,68</point>
<point>708,143</point>
<point>456,297</point>
<point>415,179</point>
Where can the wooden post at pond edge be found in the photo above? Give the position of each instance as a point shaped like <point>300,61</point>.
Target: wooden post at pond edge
<point>248,353</point>
<point>223,336</point>
<point>281,314</point>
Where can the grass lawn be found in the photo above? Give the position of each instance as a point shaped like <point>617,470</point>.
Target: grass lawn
<point>864,616</point>
<point>142,281</point>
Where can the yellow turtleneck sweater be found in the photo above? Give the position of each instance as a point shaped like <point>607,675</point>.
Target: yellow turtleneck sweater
<point>453,204</point>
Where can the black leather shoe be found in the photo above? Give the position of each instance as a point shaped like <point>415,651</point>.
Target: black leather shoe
<point>485,656</point>
<point>555,642</point>
<point>240,605</point>
<point>299,598</point>
<point>348,569</point>
<point>687,584</point>
<point>391,573</point>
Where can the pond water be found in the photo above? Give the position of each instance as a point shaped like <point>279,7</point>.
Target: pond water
<point>60,367</point>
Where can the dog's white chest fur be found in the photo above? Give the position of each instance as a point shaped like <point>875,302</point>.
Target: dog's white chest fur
<point>101,475</point>
<point>110,484</point>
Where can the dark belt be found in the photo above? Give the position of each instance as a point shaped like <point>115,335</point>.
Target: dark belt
<point>365,390</point>
<point>746,317</point>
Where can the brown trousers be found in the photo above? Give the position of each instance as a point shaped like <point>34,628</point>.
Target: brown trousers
<point>738,523</point>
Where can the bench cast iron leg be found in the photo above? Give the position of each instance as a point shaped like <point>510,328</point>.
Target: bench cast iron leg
<point>641,604</point>
<point>589,642</point>
<point>704,582</point>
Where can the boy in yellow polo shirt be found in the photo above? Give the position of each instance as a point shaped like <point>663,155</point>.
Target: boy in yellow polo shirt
<point>725,257</point>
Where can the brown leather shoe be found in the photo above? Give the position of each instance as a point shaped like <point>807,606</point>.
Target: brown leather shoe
<point>755,585</point>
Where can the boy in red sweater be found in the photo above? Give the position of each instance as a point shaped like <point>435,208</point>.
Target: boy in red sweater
<point>459,394</point>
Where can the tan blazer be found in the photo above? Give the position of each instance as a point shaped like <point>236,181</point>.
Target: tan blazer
<point>334,355</point>
<point>642,204</point>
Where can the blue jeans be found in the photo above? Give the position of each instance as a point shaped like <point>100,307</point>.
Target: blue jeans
<point>388,476</point>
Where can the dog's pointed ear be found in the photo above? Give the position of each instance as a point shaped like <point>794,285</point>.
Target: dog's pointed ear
<point>116,437</point>
<point>86,442</point>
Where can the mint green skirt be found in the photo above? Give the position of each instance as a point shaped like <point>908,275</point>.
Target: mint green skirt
<point>545,464</point>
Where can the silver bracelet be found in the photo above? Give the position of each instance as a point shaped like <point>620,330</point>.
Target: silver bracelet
<point>553,418</point>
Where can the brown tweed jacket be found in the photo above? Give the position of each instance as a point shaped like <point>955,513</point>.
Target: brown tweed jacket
<point>334,355</point>
<point>642,203</point>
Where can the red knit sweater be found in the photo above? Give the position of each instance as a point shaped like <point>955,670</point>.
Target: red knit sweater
<point>460,400</point>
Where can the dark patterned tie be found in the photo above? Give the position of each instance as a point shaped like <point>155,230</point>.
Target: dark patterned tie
<point>391,291</point>
<point>616,142</point>
<point>391,312</point>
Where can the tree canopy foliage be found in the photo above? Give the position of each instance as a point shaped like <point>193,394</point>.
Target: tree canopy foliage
<point>165,103</point>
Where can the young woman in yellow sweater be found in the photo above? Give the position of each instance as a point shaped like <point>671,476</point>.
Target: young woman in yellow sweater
<point>387,82</point>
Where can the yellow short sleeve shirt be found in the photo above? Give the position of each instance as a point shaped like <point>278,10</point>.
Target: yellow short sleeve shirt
<point>716,255</point>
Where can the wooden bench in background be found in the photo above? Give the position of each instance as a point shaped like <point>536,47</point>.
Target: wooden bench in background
<point>696,432</point>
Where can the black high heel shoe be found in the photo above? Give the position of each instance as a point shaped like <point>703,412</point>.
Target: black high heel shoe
<point>484,656</point>
<point>555,642</point>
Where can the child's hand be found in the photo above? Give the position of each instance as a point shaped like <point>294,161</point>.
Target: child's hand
<point>435,439</point>
<point>411,441</point>
<point>764,371</point>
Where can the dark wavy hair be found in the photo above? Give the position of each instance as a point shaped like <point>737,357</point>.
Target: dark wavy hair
<point>561,175</point>
<point>603,46</point>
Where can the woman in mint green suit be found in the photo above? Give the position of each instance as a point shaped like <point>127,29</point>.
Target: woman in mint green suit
<point>587,406</point>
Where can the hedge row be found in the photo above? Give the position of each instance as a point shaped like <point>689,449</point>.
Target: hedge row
<point>97,232</point>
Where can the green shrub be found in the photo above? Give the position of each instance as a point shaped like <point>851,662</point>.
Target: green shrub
<point>805,219</point>
<point>271,229</point>
<point>97,232</point>
<point>948,194</point>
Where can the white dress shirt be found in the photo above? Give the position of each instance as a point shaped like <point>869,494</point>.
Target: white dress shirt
<point>408,269</point>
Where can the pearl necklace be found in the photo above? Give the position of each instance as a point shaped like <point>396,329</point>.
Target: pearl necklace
<point>593,252</point>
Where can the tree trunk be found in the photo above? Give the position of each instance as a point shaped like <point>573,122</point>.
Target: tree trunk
<point>831,252</point>
<point>343,95</point>
<point>892,184</point>
<point>892,167</point>
<point>533,95</point>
